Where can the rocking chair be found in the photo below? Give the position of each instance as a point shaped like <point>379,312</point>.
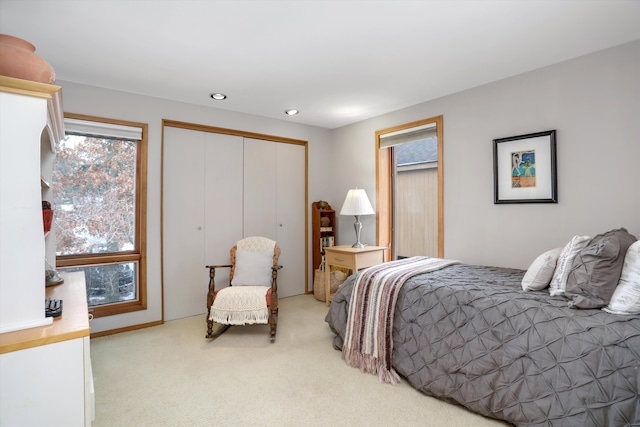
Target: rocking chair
<point>252,294</point>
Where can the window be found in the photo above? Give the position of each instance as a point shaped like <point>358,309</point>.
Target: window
<point>415,196</point>
<point>409,189</point>
<point>99,192</point>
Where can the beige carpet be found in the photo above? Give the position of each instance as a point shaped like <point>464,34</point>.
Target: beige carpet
<point>170,375</point>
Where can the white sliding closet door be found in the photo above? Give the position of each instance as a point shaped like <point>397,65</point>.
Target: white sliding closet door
<point>223,202</point>
<point>202,214</point>
<point>291,218</point>
<point>260,184</point>
<point>183,209</point>
<point>274,205</point>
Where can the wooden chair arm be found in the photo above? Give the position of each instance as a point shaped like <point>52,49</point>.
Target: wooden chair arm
<point>218,266</point>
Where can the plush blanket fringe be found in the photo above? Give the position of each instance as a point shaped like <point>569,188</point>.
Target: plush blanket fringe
<point>240,305</point>
<point>371,365</point>
<point>248,317</point>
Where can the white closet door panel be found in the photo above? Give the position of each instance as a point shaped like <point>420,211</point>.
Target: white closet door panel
<point>291,218</point>
<point>183,223</point>
<point>260,188</point>
<point>223,203</point>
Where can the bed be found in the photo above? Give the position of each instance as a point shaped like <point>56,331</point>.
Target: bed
<point>472,336</point>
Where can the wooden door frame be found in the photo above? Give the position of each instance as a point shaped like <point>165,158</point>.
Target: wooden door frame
<point>384,199</point>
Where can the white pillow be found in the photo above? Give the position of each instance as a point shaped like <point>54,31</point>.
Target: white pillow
<point>541,270</point>
<point>626,297</point>
<point>252,268</point>
<point>565,261</point>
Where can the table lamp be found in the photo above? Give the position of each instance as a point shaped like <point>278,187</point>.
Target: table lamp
<point>357,203</point>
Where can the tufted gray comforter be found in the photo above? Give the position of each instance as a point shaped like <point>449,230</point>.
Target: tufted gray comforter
<point>469,335</point>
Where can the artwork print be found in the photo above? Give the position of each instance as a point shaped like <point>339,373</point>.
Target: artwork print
<point>523,169</point>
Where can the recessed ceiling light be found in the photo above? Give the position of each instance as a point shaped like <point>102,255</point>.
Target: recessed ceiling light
<point>291,112</point>
<point>218,96</point>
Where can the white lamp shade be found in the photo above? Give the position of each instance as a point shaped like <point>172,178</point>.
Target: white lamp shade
<point>357,203</point>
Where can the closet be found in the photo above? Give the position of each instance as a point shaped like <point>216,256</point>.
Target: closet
<point>218,187</point>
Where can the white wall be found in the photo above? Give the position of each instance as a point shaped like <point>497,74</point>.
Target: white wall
<point>594,104</point>
<point>100,102</point>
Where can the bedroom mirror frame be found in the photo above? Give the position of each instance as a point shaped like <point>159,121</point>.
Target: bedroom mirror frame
<point>385,182</point>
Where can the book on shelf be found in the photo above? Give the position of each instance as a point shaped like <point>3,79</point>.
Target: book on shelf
<point>325,229</point>
<point>326,242</point>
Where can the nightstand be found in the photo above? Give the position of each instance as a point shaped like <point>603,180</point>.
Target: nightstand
<point>351,258</point>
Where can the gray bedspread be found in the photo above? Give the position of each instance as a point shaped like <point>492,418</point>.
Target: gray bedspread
<point>469,335</point>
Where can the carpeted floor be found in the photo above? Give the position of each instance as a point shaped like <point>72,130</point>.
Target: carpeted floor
<point>170,375</point>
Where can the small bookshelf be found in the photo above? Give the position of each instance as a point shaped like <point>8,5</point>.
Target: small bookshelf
<point>323,222</point>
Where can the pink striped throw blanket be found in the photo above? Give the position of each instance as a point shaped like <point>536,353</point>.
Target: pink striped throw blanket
<point>368,344</point>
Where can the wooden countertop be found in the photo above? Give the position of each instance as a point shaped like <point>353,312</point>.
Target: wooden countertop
<point>74,322</point>
<point>348,249</point>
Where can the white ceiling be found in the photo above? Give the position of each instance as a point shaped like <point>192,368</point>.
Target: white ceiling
<point>338,62</point>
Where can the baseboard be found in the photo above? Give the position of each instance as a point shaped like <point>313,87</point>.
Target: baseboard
<point>126,329</point>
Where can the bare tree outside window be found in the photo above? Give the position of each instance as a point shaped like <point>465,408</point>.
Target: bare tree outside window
<point>94,195</point>
<point>98,218</point>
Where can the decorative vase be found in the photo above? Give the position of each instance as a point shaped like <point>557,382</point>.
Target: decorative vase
<point>47,219</point>
<point>17,59</point>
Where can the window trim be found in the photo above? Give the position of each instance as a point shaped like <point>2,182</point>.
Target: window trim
<point>139,254</point>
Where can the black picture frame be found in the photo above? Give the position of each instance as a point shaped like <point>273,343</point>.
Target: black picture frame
<point>524,168</point>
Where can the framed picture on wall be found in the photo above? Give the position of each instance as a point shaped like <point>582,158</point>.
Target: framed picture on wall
<point>524,168</point>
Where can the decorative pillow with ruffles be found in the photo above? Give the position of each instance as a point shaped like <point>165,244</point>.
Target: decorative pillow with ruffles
<point>565,261</point>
